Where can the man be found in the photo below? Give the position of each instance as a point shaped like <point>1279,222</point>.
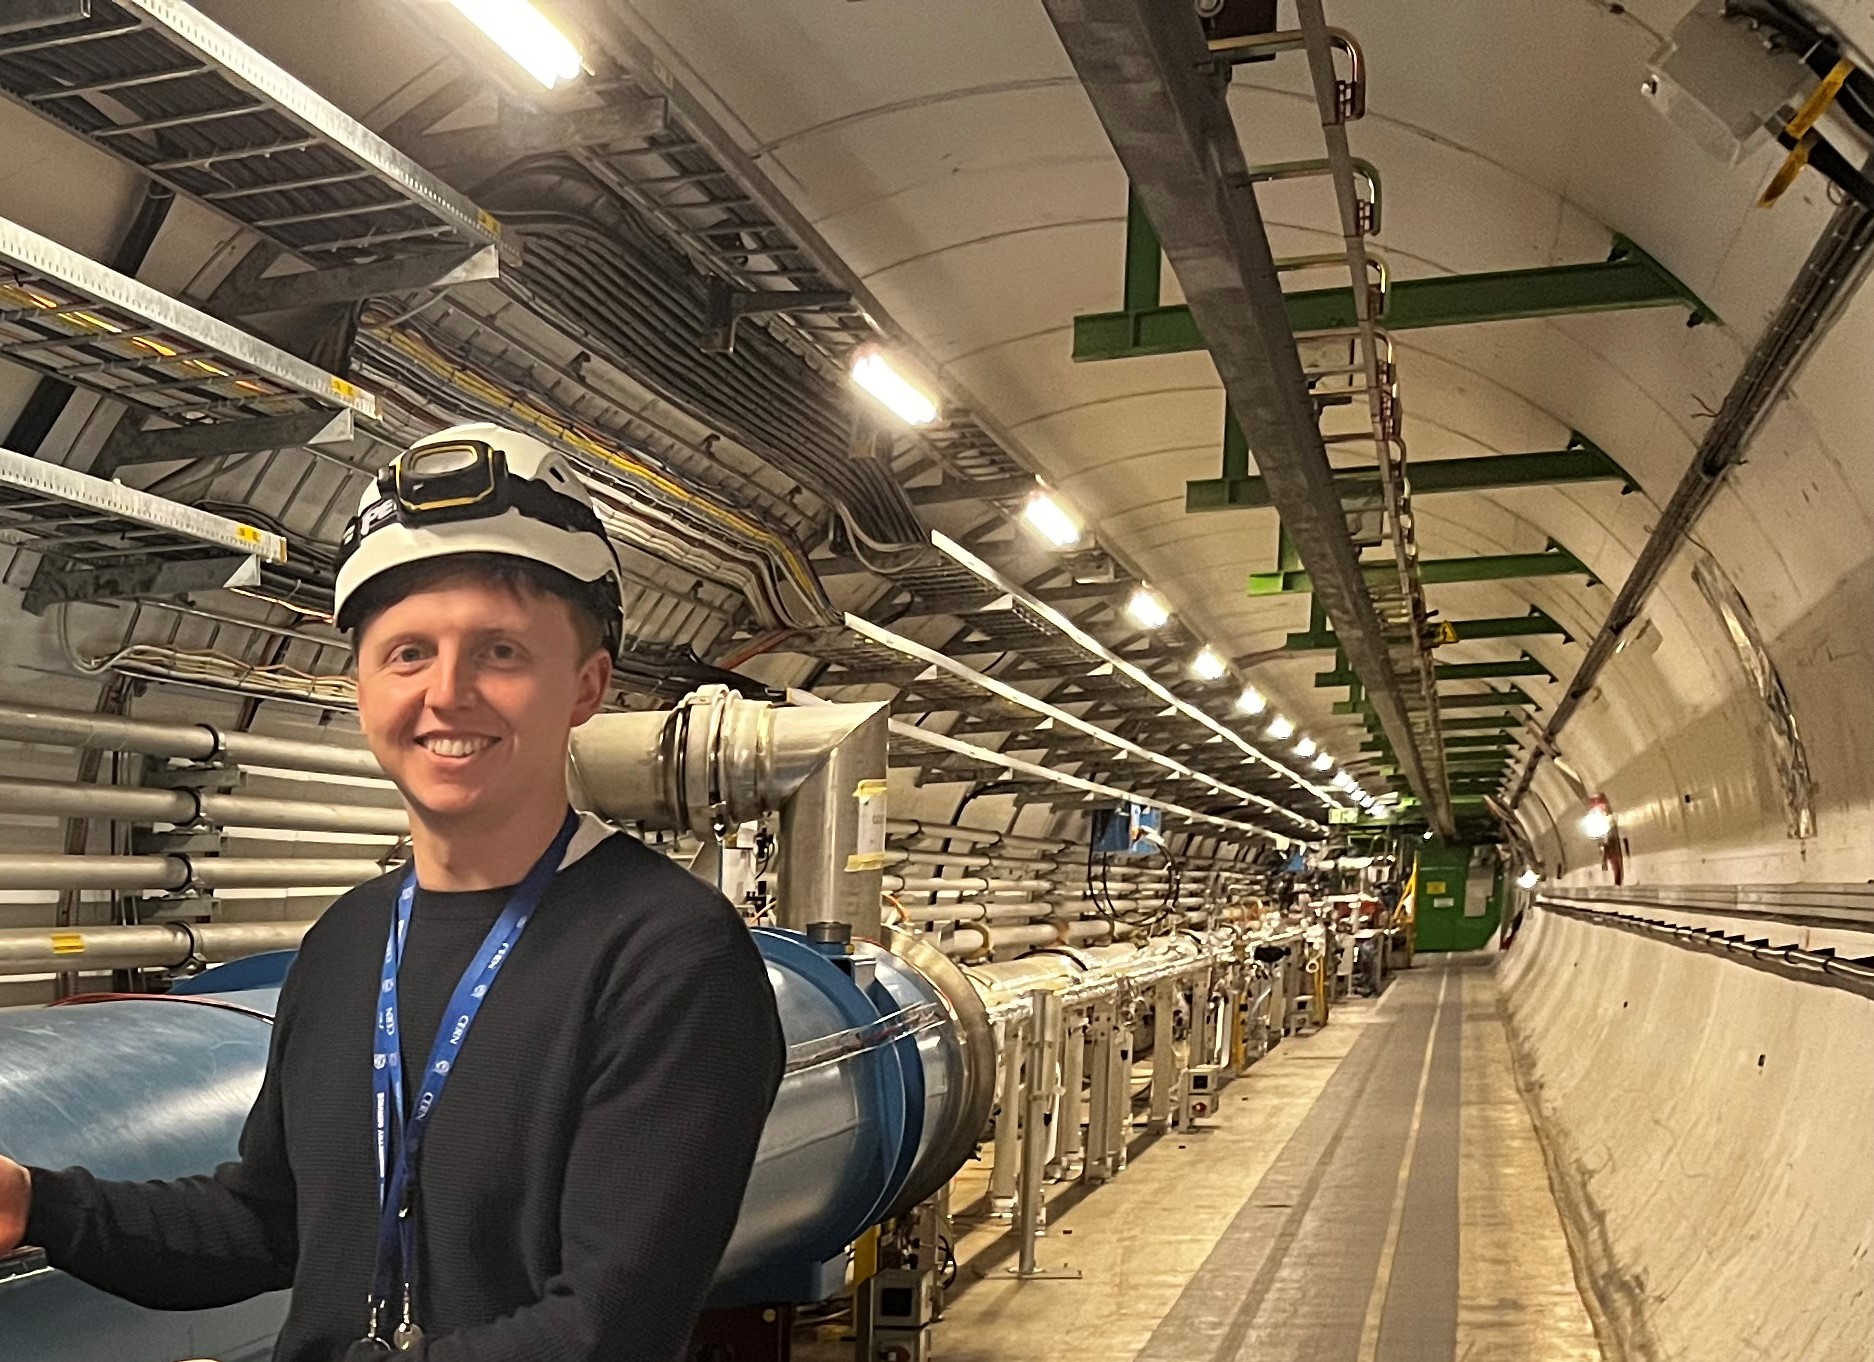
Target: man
<point>554,1174</point>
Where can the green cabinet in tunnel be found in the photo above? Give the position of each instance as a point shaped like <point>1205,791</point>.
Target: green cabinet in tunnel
<point>1457,908</point>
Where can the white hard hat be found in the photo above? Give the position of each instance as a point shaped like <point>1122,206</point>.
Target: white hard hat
<point>484,489</point>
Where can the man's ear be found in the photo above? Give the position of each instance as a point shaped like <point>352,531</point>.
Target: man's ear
<point>595,678</point>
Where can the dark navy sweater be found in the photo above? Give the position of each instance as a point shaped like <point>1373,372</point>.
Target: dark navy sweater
<point>580,1176</point>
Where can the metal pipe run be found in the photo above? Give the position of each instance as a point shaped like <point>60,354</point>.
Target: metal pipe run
<point>174,873</point>
<point>168,945</point>
<point>718,759</point>
<point>189,742</point>
<point>131,804</point>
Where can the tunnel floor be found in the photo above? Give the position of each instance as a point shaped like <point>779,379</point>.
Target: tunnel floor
<point>1374,1192</point>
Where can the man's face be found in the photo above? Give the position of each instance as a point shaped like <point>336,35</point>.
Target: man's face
<point>466,693</point>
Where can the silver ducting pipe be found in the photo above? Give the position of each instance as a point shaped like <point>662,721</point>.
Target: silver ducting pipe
<point>192,742</point>
<point>718,759</point>
<point>133,804</point>
<point>974,884</point>
<point>132,873</point>
<point>169,945</point>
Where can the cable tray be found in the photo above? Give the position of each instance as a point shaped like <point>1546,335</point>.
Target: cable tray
<point>66,315</point>
<point>160,85</point>
<point>29,485</point>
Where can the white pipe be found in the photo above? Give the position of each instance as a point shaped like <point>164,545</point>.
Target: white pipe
<point>32,950</point>
<point>194,742</point>
<point>135,804</point>
<point>180,872</point>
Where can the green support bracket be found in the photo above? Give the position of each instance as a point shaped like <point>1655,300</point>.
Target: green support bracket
<point>1342,675</point>
<point>1556,561</point>
<point>1235,448</point>
<point>1473,722</point>
<point>1503,626</point>
<point>1525,665</point>
<point>1489,699</point>
<point>1318,638</point>
<point>1582,461</point>
<point>1504,741</point>
<point>1144,258</point>
<point>1629,278</point>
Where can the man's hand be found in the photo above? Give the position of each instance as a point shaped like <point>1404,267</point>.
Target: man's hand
<point>16,1199</point>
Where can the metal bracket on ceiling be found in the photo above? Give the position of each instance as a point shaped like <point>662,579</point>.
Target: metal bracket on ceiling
<point>725,306</point>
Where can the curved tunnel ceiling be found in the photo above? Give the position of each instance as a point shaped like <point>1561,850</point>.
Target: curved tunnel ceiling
<point>950,156</point>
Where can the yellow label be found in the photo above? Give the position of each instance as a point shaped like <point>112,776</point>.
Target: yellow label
<point>1446,632</point>
<point>247,534</point>
<point>1434,886</point>
<point>871,789</point>
<point>488,221</point>
<point>341,388</point>
<point>68,943</point>
<point>871,860</point>
<point>869,846</point>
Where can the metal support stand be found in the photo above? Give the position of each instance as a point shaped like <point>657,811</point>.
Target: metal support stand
<point>1120,1090</point>
<point>1008,1119</point>
<point>1044,1030</point>
<point>1164,1054</point>
<point>1197,1055</point>
<point>1067,1161</point>
<point>1102,1038</point>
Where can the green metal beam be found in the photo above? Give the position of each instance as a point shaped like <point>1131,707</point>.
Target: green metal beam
<point>1489,699</point>
<point>1582,461</point>
<point>1555,562</point>
<point>1629,278</point>
<point>1473,722</point>
<point>1319,638</point>
<point>1503,626</point>
<point>1524,665</point>
<point>1503,740</point>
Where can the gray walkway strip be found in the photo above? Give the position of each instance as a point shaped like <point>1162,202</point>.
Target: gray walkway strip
<point>1291,1277</point>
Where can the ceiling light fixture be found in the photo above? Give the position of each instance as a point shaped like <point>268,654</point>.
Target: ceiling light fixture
<point>528,36</point>
<point>1051,520</point>
<point>1306,747</point>
<point>1597,822</point>
<point>1207,666</point>
<point>875,373</point>
<point>1251,701</point>
<point>1280,728</point>
<point>1324,762</point>
<point>1147,610</point>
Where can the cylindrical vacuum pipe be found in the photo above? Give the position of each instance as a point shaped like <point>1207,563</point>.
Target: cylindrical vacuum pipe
<point>718,757</point>
<point>193,742</point>
<point>166,945</point>
<point>131,873</point>
<point>135,804</point>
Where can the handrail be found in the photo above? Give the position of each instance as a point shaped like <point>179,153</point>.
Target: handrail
<point>1786,962</point>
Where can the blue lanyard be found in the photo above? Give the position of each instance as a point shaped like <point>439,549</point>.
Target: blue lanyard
<point>396,1182</point>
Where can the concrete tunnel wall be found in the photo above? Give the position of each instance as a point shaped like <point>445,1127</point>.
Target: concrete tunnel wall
<point>1706,1126</point>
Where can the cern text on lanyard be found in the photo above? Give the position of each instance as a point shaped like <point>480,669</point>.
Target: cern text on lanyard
<point>395,1272</point>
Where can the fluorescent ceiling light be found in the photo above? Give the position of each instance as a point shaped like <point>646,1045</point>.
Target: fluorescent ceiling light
<point>1324,762</point>
<point>1147,610</point>
<point>528,36</point>
<point>1528,879</point>
<point>1306,747</point>
<point>908,402</point>
<point>1597,822</point>
<point>1343,781</point>
<point>1251,701</point>
<point>1207,666</point>
<point>1280,727</point>
<point>1047,516</point>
